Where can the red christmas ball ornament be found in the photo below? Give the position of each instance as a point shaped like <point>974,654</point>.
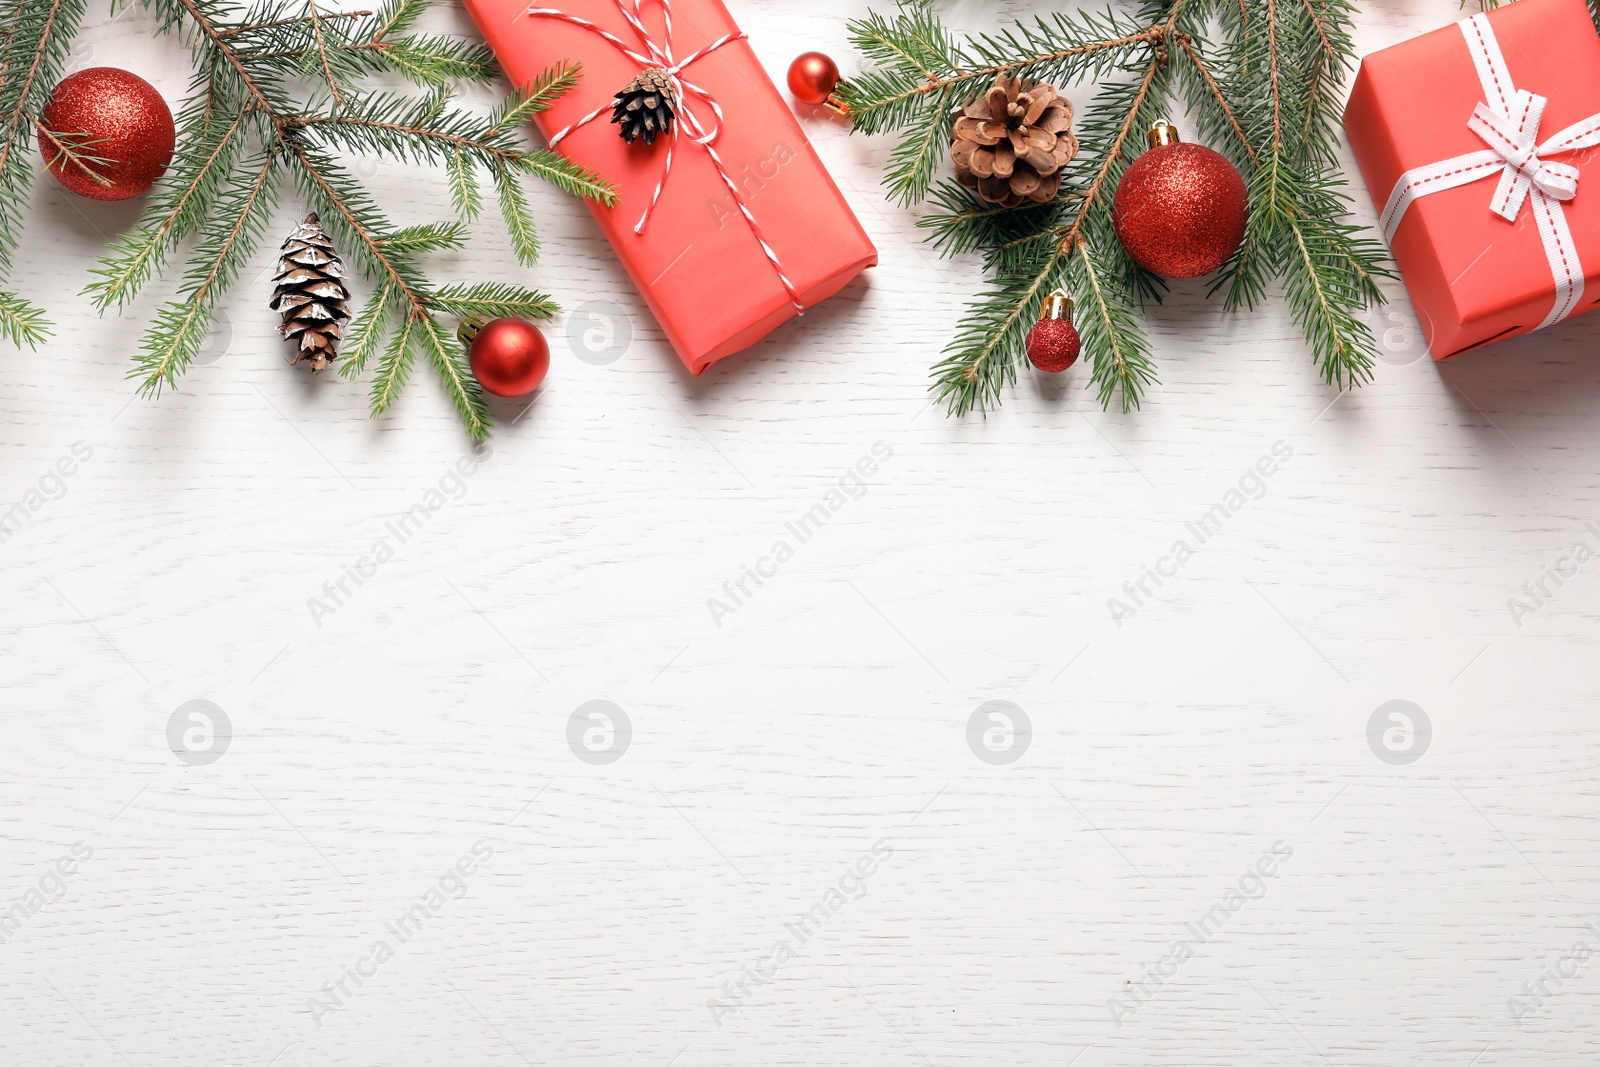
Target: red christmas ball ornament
<point>106,134</point>
<point>1180,209</point>
<point>509,357</point>
<point>813,77</point>
<point>1053,343</point>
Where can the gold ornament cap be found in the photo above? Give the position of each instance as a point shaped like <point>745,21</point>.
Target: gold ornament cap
<point>835,102</point>
<point>1058,305</point>
<point>467,332</point>
<point>1163,133</point>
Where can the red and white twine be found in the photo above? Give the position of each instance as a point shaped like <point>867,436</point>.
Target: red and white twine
<point>661,56</point>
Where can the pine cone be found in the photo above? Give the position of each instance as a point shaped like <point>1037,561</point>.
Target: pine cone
<point>1013,141</point>
<point>646,107</point>
<point>309,291</point>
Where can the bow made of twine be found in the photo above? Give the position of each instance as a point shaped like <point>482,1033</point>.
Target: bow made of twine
<point>702,133</point>
<point>1507,120</point>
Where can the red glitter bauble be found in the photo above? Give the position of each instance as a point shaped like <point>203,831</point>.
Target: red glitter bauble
<point>1180,210</point>
<point>1053,345</point>
<point>509,357</point>
<point>813,77</point>
<point>113,115</point>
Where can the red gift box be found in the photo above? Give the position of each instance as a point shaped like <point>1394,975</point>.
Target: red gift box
<point>1473,141</point>
<point>719,271</point>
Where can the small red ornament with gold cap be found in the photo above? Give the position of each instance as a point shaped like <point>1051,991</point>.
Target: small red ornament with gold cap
<point>1053,342</point>
<point>814,79</point>
<point>509,357</point>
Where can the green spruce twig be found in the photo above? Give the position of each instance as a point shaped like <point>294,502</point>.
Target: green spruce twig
<point>35,36</point>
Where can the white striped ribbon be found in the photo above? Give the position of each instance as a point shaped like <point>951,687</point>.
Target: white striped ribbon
<point>660,55</point>
<point>1508,122</point>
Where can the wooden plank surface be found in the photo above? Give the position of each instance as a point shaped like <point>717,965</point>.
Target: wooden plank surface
<point>800,857</point>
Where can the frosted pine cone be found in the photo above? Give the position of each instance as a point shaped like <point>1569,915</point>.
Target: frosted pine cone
<point>309,291</point>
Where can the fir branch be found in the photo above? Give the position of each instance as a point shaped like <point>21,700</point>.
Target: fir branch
<point>465,195</point>
<point>417,132</point>
<point>20,322</point>
<point>1342,343</point>
<point>38,37</point>
<point>1276,86</point>
<point>1113,158</point>
<point>571,178</point>
<point>913,162</point>
<point>346,209</point>
<point>180,327</point>
<point>322,52</point>
<point>192,191</point>
<point>226,53</point>
<point>296,20</point>
<point>450,361</point>
<point>427,237</point>
<point>1118,352</point>
<point>73,148</point>
<point>395,366</point>
<point>967,224</point>
<point>435,61</point>
<point>366,331</point>
<point>881,100</point>
<point>519,220</point>
<point>535,97</point>
<point>397,16</point>
<point>493,300</point>
<point>1202,71</point>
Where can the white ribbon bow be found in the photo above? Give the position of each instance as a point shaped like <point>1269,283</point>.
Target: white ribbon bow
<point>1508,122</point>
<point>1511,137</point>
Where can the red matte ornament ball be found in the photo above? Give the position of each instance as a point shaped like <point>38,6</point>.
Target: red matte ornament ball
<point>813,77</point>
<point>509,357</point>
<point>116,116</point>
<point>1053,345</point>
<point>1180,209</point>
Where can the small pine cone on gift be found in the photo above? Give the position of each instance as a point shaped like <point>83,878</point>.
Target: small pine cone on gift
<point>1012,143</point>
<point>309,291</point>
<point>646,106</point>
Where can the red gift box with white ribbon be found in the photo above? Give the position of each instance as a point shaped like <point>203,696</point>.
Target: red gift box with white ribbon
<point>1477,143</point>
<point>729,226</point>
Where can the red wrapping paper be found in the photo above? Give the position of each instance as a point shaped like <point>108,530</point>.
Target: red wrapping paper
<point>1473,277</point>
<point>697,264</point>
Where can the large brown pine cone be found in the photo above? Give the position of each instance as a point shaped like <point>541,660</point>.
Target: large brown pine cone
<point>1013,141</point>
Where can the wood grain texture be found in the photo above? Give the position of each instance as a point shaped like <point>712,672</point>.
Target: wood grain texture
<point>828,713</point>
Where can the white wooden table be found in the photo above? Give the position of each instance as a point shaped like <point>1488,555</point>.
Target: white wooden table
<point>700,899</point>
